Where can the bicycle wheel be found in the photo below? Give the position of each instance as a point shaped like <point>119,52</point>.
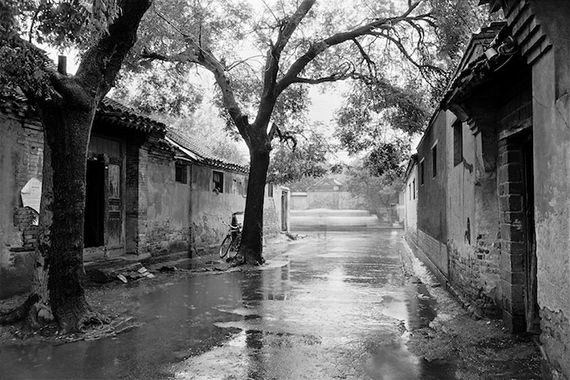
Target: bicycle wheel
<point>225,246</point>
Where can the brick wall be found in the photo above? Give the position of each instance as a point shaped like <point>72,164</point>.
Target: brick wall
<point>474,270</point>
<point>31,144</point>
<point>434,249</point>
<point>513,245</point>
<point>21,154</point>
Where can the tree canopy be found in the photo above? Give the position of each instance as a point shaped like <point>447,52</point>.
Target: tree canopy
<point>261,54</point>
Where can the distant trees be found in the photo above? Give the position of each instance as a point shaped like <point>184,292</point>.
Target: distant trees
<point>105,30</point>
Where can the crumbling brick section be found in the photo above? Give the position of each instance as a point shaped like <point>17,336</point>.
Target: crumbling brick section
<point>25,219</point>
<point>474,271</point>
<point>510,185</point>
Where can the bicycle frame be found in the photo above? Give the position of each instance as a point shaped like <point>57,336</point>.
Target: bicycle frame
<point>231,241</point>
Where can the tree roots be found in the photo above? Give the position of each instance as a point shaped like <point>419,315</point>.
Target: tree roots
<point>18,313</point>
<point>92,319</point>
<point>36,316</point>
<point>241,259</point>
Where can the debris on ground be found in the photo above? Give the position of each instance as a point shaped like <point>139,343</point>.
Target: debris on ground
<point>292,236</point>
<point>167,268</point>
<point>100,277</point>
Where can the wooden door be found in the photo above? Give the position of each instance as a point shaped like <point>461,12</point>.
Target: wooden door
<point>114,213</point>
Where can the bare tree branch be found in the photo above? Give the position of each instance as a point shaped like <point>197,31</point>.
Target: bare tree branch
<point>200,56</point>
<point>373,29</point>
<point>421,67</point>
<point>365,57</point>
<point>286,30</point>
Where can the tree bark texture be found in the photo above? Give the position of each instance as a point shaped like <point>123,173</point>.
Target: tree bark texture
<point>67,132</point>
<point>252,236</point>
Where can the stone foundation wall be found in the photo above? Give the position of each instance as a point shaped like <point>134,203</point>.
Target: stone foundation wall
<point>435,250</point>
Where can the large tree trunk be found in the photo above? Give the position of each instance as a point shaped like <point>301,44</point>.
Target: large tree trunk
<point>252,237</point>
<point>67,131</point>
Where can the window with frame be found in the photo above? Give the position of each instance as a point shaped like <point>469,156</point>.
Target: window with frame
<point>270,190</point>
<point>218,179</point>
<point>434,160</point>
<point>181,173</point>
<point>414,189</point>
<point>457,142</point>
<point>422,170</point>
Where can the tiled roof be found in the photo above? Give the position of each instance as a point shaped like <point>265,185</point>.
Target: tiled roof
<point>108,109</point>
<point>473,73</point>
<point>202,154</point>
<point>121,114</point>
<point>16,104</point>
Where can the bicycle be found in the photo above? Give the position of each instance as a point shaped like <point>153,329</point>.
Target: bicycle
<point>232,240</point>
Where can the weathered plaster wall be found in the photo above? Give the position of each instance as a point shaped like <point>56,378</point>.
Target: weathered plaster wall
<point>411,201</point>
<point>432,196</point>
<point>210,209</point>
<point>433,191</point>
<point>299,201</point>
<point>21,148</point>
<point>473,227</point>
<point>551,120</point>
<point>168,207</point>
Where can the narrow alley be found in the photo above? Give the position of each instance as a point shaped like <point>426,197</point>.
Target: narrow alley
<point>335,305</point>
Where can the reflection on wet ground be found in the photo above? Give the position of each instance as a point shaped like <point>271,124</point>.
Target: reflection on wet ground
<point>337,306</point>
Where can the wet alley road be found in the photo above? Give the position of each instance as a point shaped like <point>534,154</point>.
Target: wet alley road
<point>336,306</point>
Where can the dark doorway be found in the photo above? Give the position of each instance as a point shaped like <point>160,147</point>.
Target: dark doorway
<point>530,262</point>
<point>94,226</point>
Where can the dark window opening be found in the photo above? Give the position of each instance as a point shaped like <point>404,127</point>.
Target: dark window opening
<point>270,191</point>
<point>218,178</point>
<point>414,189</point>
<point>94,226</point>
<point>434,160</point>
<point>181,173</point>
<point>422,170</point>
<point>457,143</point>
